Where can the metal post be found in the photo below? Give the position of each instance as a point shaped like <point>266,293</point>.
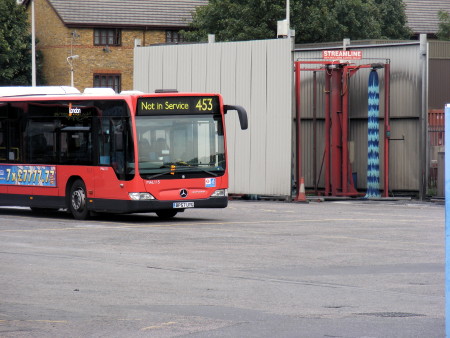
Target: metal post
<point>336,130</point>
<point>288,18</point>
<point>33,47</point>
<point>70,62</point>
<point>345,159</point>
<point>387,126</point>
<point>298,127</point>
<point>447,223</point>
<point>327,131</point>
<point>423,158</point>
<point>315,131</point>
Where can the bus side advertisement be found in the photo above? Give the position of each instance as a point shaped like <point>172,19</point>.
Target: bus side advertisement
<point>28,175</point>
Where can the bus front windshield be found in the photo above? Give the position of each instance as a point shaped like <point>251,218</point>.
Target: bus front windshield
<point>180,146</point>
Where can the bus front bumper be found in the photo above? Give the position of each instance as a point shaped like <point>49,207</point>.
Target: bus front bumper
<point>129,206</point>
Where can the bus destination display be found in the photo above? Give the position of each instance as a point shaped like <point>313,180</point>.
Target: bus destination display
<point>28,175</point>
<point>178,105</point>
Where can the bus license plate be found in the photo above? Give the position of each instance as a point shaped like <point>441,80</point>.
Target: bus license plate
<point>182,205</point>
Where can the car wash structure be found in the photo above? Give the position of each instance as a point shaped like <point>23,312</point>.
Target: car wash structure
<point>338,176</point>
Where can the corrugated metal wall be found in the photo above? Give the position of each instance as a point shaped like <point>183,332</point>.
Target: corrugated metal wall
<point>405,105</point>
<point>439,93</point>
<point>257,75</point>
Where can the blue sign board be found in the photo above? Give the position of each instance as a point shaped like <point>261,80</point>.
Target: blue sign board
<point>28,175</point>
<point>210,182</point>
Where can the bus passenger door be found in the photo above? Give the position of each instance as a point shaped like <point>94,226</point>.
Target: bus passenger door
<point>115,157</point>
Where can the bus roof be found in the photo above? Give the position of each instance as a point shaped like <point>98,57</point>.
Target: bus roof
<point>41,90</point>
<point>15,91</point>
<point>60,90</point>
<point>55,91</point>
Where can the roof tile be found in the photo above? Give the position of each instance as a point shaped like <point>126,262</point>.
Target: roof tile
<point>157,13</point>
<point>423,14</point>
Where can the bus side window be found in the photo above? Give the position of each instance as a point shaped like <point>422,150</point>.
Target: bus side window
<point>104,149</point>
<point>79,147</point>
<point>38,145</point>
<point>118,151</point>
<point>115,147</point>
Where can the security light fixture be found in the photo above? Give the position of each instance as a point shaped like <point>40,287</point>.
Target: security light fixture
<point>70,62</point>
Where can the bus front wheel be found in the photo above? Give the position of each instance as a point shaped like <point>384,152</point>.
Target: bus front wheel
<point>78,200</point>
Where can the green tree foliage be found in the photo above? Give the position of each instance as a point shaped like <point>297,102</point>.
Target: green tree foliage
<point>15,45</point>
<point>313,20</point>
<point>235,20</point>
<point>444,25</point>
<point>334,20</point>
<point>393,19</point>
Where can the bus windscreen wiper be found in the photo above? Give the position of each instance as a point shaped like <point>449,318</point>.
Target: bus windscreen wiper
<point>196,169</point>
<point>172,168</point>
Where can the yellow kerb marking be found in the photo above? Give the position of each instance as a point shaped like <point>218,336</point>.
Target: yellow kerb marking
<point>160,326</point>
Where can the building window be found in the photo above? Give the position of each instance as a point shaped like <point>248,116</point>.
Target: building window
<point>107,36</point>
<point>108,81</point>
<point>173,37</point>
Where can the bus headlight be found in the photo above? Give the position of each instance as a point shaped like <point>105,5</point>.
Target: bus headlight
<point>220,193</point>
<point>140,196</point>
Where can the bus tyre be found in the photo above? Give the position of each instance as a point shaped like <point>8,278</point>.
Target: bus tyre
<point>78,200</point>
<point>166,214</point>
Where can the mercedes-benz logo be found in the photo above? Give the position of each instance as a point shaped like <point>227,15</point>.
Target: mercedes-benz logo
<point>183,193</point>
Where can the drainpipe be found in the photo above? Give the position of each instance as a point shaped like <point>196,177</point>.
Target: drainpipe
<point>423,153</point>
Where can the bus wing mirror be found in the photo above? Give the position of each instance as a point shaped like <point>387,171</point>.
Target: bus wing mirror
<point>242,113</point>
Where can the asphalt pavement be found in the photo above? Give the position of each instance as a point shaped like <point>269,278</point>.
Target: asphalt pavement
<point>254,269</point>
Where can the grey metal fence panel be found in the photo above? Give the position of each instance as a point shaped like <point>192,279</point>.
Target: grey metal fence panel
<point>279,103</point>
<point>169,68</point>
<point>155,73</point>
<point>256,75</point>
<point>184,69</point>
<point>259,133</point>
<point>241,147</point>
<point>229,93</point>
<point>198,67</point>
<point>214,67</point>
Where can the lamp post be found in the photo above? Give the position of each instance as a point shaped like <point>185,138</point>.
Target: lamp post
<point>288,18</point>
<point>70,62</point>
<point>33,47</point>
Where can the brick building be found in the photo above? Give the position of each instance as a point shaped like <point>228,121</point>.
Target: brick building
<point>103,34</point>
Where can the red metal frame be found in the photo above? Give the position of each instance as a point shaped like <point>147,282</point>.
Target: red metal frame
<point>338,174</point>
<point>327,133</point>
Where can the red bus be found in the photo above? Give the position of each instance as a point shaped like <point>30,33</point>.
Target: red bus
<point>117,153</point>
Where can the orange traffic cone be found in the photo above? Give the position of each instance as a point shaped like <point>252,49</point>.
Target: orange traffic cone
<point>301,196</point>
